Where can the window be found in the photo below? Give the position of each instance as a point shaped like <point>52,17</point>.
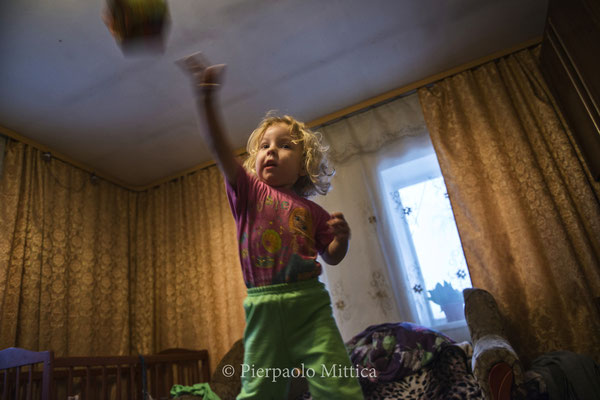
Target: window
<point>428,244</point>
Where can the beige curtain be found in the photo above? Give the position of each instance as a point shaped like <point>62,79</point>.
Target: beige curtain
<point>188,282</point>
<point>64,251</point>
<point>94,269</point>
<point>526,209</point>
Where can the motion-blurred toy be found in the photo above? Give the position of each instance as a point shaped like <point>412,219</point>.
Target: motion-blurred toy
<point>137,24</point>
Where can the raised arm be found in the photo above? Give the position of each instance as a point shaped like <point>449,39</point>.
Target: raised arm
<point>207,81</point>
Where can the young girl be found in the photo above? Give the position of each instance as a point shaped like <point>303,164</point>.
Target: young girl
<point>290,329</point>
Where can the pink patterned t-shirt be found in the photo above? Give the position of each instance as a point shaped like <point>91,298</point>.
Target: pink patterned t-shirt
<point>279,233</point>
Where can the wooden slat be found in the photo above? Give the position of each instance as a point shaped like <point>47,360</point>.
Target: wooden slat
<point>132,386</point>
<point>70,382</point>
<point>171,375</point>
<point>104,386</point>
<point>119,382</point>
<point>5,387</point>
<point>155,379</point>
<point>88,378</point>
<point>29,383</point>
<point>17,386</point>
<point>180,371</point>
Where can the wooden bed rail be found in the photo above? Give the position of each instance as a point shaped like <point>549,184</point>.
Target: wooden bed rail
<point>100,378</point>
<point>171,367</point>
<point>128,377</point>
<point>114,377</point>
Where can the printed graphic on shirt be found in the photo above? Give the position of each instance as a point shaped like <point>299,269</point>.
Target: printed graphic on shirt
<point>271,241</point>
<point>277,233</point>
<point>300,221</point>
<point>288,250</point>
<point>272,203</point>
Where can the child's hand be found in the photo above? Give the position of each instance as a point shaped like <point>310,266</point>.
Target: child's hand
<point>206,78</point>
<point>339,226</point>
<point>337,249</point>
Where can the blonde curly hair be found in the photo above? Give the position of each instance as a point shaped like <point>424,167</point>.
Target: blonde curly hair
<point>316,164</point>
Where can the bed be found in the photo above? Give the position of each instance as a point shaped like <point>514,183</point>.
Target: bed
<point>412,362</point>
<point>415,362</point>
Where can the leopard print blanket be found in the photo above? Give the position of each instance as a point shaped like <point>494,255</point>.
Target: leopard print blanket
<point>447,378</point>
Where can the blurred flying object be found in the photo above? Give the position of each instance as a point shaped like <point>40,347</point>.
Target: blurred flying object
<point>137,25</point>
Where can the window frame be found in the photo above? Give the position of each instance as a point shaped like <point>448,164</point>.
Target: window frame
<point>393,178</point>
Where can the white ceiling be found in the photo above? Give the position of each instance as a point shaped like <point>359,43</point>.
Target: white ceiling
<point>65,83</point>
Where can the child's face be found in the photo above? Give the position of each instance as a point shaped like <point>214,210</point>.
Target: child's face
<point>279,162</point>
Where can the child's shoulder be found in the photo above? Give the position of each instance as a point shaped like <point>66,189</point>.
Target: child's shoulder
<point>314,207</point>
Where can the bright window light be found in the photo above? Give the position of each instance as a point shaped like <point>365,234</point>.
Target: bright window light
<point>429,253</point>
<point>428,213</point>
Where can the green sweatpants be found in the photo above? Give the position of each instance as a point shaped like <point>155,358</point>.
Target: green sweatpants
<point>290,331</point>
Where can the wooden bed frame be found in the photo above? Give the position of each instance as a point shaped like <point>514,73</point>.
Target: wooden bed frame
<point>123,377</point>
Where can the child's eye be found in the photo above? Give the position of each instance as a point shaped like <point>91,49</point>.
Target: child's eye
<point>286,146</point>
<point>264,146</point>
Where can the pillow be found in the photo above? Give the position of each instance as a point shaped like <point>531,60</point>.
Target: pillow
<point>227,388</point>
<point>393,351</point>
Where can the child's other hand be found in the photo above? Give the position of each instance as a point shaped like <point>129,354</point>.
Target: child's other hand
<point>339,226</point>
<point>207,78</point>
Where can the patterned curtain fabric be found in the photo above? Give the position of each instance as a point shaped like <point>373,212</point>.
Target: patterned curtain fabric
<point>527,210</point>
<point>93,269</point>
<point>64,257</point>
<point>188,281</point>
